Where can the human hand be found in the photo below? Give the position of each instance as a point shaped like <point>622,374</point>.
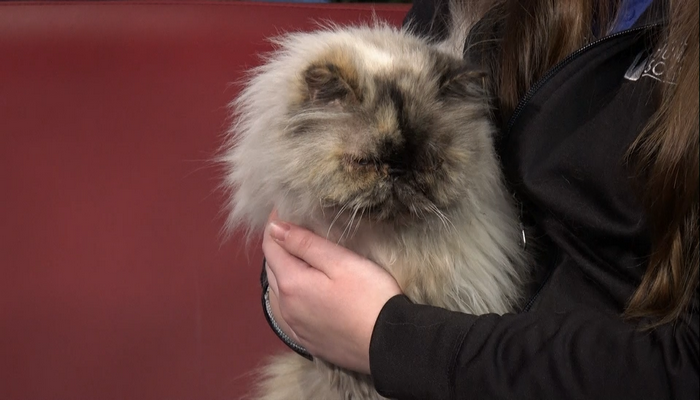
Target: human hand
<point>324,296</point>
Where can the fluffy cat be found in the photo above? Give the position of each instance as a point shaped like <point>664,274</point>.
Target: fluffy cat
<point>381,141</point>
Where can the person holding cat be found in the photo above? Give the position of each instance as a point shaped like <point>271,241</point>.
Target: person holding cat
<point>596,102</point>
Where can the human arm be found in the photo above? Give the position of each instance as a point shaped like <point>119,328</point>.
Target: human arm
<point>424,352</point>
<point>420,352</point>
<point>319,307</point>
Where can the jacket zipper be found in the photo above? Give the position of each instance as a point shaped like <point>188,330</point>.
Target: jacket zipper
<point>537,293</point>
<point>540,83</point>
<point>558,67</point>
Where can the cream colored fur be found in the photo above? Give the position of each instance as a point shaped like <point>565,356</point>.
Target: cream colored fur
<point>463,257</point>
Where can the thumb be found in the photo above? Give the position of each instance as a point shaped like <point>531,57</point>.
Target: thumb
<point>315,250</point>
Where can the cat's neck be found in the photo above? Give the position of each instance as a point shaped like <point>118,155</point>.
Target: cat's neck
<point>467,259</point>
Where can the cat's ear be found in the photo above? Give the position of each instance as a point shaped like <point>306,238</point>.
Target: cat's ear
<point>331,82</point>
<point>463,83</point>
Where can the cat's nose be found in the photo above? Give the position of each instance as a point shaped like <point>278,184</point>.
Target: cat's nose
<point>396,172</point>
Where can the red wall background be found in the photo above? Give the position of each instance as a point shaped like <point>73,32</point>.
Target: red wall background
<point>114,280</point>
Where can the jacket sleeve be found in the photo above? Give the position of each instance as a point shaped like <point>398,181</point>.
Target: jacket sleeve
<point>424,352</point>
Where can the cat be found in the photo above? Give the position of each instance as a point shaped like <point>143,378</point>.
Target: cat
<point>381,141</point>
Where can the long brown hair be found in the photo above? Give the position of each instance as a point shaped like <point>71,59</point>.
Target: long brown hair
<point>666,156</point>
<point>536,34</point>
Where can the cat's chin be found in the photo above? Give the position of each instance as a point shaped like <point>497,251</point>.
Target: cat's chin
<point>387,213</point>
<point>390,214</point>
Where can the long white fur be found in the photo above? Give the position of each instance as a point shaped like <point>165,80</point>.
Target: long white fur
<point>468,260</point>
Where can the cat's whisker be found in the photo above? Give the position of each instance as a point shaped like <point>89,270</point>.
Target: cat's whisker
<point>447,223</point>
<point>345,228</point>
<point>440,215</point>
<point>349,225</point>
<point>359,220</point>
<point>328,234</point>
<point>414,210</point>
<point>421,214</point>
<point>323,211</point>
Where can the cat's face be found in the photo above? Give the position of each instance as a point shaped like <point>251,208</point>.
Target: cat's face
<point>389,144</point>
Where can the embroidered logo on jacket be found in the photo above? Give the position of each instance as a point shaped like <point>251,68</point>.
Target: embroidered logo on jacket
<point>655,65</point>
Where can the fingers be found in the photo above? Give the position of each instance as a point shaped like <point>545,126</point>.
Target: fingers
<point>281,321</point>
<point>282,266</point>
<point>316,251</point>
<point>289,273</point>
<point>272,216</point>
<point>271,279</point>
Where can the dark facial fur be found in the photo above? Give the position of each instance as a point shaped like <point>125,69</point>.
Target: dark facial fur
<point>397,144</point>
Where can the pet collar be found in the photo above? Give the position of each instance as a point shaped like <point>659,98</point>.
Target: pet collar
<point>267,309</point>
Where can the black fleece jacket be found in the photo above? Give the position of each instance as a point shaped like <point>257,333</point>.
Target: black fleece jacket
<point>562,152</point>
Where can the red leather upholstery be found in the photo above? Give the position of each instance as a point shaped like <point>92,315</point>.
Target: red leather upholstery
<point>114,280</point>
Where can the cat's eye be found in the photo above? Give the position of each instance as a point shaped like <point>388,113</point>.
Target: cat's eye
<point>355,161</point>
<point>361,162</point>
